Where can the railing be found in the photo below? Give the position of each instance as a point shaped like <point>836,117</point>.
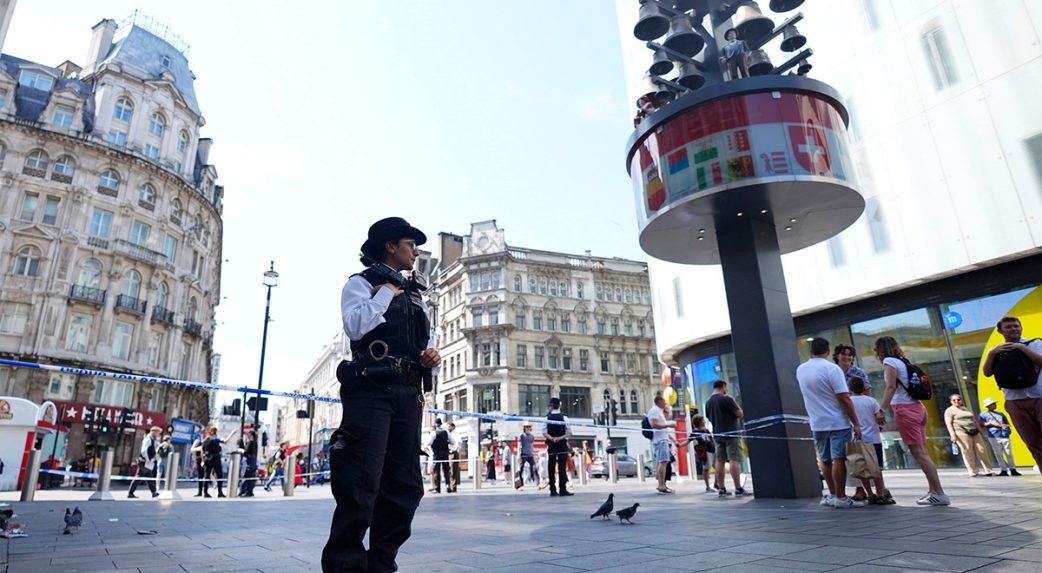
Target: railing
<point>61,177</point>
<point>87,294</point>
<point>98,242</point>
<point>140,253</point>
<point>34,171</point>
<point>192,327</point>
<point>146,205</point>
<point>108,191</point>
<point>129,303</point>
<point>160,314</point>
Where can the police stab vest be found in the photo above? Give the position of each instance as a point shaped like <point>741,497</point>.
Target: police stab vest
<point>406,330</point>
<point>440,445</point>
<point>556,431</point>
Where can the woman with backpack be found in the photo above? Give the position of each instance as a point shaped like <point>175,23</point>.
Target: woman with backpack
<point>909,414</point>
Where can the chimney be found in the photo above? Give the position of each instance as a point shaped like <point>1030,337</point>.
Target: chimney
<point>6,13</point>
<point>100,43</point>
<point>203,152</point>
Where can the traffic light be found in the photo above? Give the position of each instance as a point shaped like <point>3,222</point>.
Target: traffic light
<point>104,426</point>
<point>124,422</point>
<point>614,411</point>
<point>88,419</point>
<point>252,402</point>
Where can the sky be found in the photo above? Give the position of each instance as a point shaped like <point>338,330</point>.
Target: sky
<point>329,115</point>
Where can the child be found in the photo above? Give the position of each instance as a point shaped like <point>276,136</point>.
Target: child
<point>871,418</point>
<point>703,449</point>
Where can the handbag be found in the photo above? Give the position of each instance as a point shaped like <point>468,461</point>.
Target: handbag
<point>861,460</point>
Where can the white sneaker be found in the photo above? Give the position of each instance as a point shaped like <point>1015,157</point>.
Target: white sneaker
<point>846,503</point>
<point>828,500</point>
<point>934,499</point>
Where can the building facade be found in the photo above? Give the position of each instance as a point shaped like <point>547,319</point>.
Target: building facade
<point>949,155</point>
<point>321,381</point>
<point>110,234</point>
<point>516,326</point>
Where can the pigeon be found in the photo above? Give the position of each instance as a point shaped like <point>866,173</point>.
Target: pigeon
<point>72,520</point>
<point>605,508</point>
<point>626,514</point>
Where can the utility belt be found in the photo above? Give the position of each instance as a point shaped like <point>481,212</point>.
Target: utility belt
<point>389,370</point>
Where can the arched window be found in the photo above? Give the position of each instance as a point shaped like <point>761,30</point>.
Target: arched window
<point>131,283</point>
<point>147,193</point>
<point>157,124</point>
<point>517,283</point>
<point>65,166</point>
<point>124,110</point>
<point>634,404</point>
<point>27,263</point>
<point>164,294</point>
<point>176,211</point>
<point>37,160</point>
<point>109,179</point>
<point>622,402</point>
<point>90,274</point>
<point>627,295</point>
<point>182,142</point>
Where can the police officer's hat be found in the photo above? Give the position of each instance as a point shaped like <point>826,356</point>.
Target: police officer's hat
<point>390,229</point>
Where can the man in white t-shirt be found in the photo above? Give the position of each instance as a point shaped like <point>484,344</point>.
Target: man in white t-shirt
<point>660,440</point>
<point>1023,404</point>
<point>832,417</point>
<point>146,462</point>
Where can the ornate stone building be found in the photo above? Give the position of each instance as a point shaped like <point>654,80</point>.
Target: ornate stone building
<point>110,232</point>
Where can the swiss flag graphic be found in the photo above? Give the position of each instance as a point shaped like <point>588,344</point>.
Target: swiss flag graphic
<point>810,148</point>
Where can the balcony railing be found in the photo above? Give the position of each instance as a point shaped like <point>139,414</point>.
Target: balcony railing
<point>34,172</point>
<point>160,314</point>
<point>108,191</point>
<point>192,327</point>
<point>140,253</point>
<point>130,304</point>
<point>87,294</point>
<point>61,177</point>
<point>98,242</point>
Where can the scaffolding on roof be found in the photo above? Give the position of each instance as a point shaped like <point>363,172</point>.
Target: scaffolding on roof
<point>161,30</point>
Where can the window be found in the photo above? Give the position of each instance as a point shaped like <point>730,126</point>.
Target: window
<point>100,223</point>
<point>117,137</point>
<point>65,166</point>
<point>517,283</point>
<point>487,398</point>
<point>656,368</point>
<point>61,387</point>
<point>155,346</point>
<point>538,356</point>
<point>486,354</point>
<point>493,316</point>
<point>50,211</point>
<point>139,233</point>
<point>36,80</point>
<point>27,263</point>
<point>634,403</point>
<point>170,248</point>
<point>186,360</point>
<point>566,359</point>
<point>938,59</point>
<point>575,402</point>
<point>614,326</point>
<point>877,225</point>
<point>553,288</point>
<point>602,325</point>
<point>534,399</point>
<point>176,210</point>
<point>476,317</point>
<point>641,328</point>
<point>618,294</point>
<point>13,317</point>
<point>485,284</point>
<point>627,327</point>
<point>474,282</point>
<point>131,284</point>
<point>537,319</point>
<point>178,167</point>
<point>837,257</point>
<point>620,365</point>
<point>193,305</point>
<point>29,204</point>
<point>627,295</point>
<point>147,193</point>
<point>165,62</point>
<point>566,324</point>
<point>113,392</point>
<point>156,395</point>
<point>90,274</point>
<point>3,101</point>
<point>522,356</point>
<point>584,360</point>
<point>121,338</point>
<point>78,334</point>
<point>631,362</point>
<point>151,152</point>
<point>599,293</point>
<point>519,319</point>
<point>37,160</point>
<point>157,124</point>
<point>182,142</point>
<point>62,116</point>
<point>109,179</point>
<point>542,286</point>
<point>495,279</point>
<point>124,110</point>
<point>552,358</point>
<point>551,322</point>
<point>605,362</point>
<point>582,323</point>
<point>579,290</point>
<point>622,402</point>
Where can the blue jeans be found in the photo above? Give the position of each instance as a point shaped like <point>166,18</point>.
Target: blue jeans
<point>832,444</point>
<point>276,474</point>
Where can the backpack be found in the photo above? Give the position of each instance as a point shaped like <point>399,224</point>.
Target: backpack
<point>647,430</point>
<point>1013,370</point>
<point>918,386</point>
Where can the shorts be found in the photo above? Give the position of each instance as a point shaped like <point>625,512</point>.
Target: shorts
<point>911,423</point>
<point>729,449</point>
<point>832,444</point>
<point>661,449</point>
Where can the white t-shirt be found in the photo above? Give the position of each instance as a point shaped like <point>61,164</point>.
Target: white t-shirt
<point>900,395</point>
<point>866,408</point>
<point>656,413</point>
<point>1031,391</point>
<point>820,381</point>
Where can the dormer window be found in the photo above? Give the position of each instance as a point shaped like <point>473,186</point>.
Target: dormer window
<point>36,80</point>
<point>124,110</point>
<point>166,61</point>
<point>156,125</point>
<point>63,116</point>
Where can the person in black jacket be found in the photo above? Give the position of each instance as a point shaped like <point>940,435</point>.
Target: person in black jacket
<point>439,443</point>
<point>249,461</point>
<point>211,451</point>
<point>556,436</point>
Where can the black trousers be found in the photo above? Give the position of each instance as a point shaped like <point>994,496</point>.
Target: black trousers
<point>533,469</point>
<point>454,456</point>
<point>213,469</point>
<point>442,467</point>
<point>557,461</point>
<point>143,472</point>
<point>375,475</point>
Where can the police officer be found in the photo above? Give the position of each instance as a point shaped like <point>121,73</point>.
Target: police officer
<point>439,443</point>
<point>556,436</point>
<point>374,454</point>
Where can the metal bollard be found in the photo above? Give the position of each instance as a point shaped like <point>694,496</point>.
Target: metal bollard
<point>234,463</point>
<point>104,479</point>
<point>613,472</point>
<point>475,470</point>
<point>640,468</point>
<point>169,490</point>
<point>584,475</point>
<point>31,476</point>
<point>691,466</point>
<point>290,470</point>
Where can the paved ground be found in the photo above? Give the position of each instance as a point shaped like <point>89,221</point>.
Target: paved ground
<point>995,524</point>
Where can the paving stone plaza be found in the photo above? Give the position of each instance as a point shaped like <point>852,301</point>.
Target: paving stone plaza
<point>994,524</point>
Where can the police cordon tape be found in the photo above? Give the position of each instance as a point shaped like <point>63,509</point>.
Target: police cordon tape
<point>751,425</point>
<point>86,475</point>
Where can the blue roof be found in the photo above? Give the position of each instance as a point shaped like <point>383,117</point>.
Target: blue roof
<point>31,102</point>
<point>143,49</point>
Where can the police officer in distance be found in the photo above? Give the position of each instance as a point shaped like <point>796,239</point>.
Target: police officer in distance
<point>374,460</point>
<point>556,436</point>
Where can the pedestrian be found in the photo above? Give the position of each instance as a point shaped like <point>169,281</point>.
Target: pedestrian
<point>249,462</point>
<point>490,463</point>
<point>147,461</point>
<point>725,415</point>
<point>557,436</point>
<point>544,466</point>
<point>504,457</point>
<point>301,469</point>
<point>278,467</point>
<point>438,444</point>
<point>833,420</point>
<point>845,356</point>
<point>164,450</point>
<point>377,481</point>
<point>196,451</point>
<point>965,431</point>
<point>660,441</point>
<point>871,417</point>
<point>587,459</point>
<point>909,415</point>
<point>997,426</point>
<point>526,441</point>
<point>212,449</point>
<point>704,451</point>
<point>454,456</point>
<point>1012,364</point>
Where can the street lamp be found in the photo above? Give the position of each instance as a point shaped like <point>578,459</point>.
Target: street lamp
<point>271,280</point>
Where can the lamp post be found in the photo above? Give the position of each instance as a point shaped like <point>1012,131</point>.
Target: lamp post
<point>271,280</point>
